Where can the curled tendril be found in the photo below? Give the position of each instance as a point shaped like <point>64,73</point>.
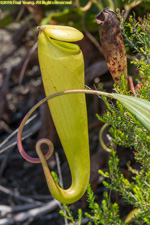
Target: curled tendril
<point>89,4</point>
<point>101,138</point>
<point>39,142</point>
<point>86,7</point>
<point>44,141</point>
<point>47,142</point>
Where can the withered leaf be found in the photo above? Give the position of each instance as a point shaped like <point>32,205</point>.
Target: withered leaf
<point>112,45</point>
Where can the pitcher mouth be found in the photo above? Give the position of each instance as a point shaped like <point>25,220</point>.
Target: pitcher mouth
<point>66,46</point>
<point>62,36</point>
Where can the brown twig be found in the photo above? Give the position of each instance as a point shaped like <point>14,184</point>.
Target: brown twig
<point>26,62</point>
<point>4,164</point>
<point>32,213</point>
<point>18,196</point>
<point>132,86</point>
<point>12,143</point>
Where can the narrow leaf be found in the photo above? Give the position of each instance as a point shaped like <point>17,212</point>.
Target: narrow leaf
<point>140,108</point>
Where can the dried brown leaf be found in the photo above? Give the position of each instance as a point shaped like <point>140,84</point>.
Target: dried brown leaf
<point>112,45</point>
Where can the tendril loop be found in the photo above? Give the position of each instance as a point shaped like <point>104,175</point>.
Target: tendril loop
<point>50,147</point>
<point>39,142</point>
<point>45,141</point>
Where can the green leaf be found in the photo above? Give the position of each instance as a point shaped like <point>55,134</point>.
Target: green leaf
<point>140,108</point>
